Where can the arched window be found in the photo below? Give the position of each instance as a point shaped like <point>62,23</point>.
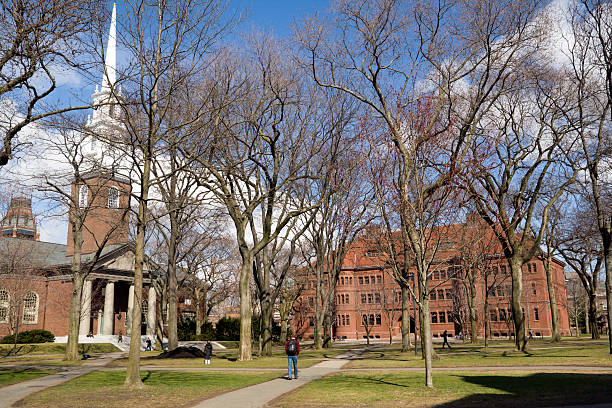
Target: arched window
<point>30,308</point>
<point>83,193</point>
<point>5,299</point>
<point>113,197</point>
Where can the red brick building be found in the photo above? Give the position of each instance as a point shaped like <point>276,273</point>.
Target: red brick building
<point>36,280</point>
<point>367,299</point>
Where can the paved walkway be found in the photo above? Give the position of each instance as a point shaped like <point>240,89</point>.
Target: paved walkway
<point>260,394</point>
<point>13,393</point>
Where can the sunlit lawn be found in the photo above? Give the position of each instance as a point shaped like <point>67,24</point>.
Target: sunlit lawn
<point>385,389</point>
<point>55,348</point>
<point>161,389</point>
<point>40,360</point>
<point>571,354</point>
<point>12,376</point>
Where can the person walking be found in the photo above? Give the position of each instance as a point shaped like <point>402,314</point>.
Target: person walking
<point>445,337</point>
<point>120,340</point>
<point>148,343</point>
<point>292,348</point>
<point>207,352</point>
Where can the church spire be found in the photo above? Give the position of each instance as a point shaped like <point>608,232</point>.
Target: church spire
<point>110,63</point>
<point>105,99</point>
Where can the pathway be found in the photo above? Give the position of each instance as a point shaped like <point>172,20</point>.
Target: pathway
<point>260,394</point>
<point>13,393</point>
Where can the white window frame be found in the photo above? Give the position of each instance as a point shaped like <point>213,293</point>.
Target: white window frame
<point>31,312</point>
<point>83,196</point>
<point>5,305</point>
<point>113,198</point>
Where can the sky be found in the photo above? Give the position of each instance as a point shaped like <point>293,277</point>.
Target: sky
<point>274,16</point>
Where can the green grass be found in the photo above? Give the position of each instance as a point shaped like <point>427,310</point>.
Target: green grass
<point>161,389</point>
<point>465,356</point>
<point>451,390</point>
<point>39,360</point>
<point>55,348</point>
<point>12,376</point>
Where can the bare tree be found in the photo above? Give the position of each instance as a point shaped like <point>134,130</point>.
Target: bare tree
<point>40,39</point>
<point>170,45</point>
<point>376,51</point>
<point>589,82</point>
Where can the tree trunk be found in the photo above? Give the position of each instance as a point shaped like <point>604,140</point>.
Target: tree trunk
<point>587,320</point>
<point>426,340</point>
<point>318,330</point>
<point>72,345</point>
<point>172,284</point>
<point>266,325</point>
<point>554,313</point>
<point>517,308</point>
<point>472,311</point>
<point>198,312</point>
<point>593,316</point>
<point>486,316</point>
<point>132,374</point>
<point>608,259</point>
<point>245,307</point>
<point>283,331</point>
<point>405,319</point>
<point>327,331</point>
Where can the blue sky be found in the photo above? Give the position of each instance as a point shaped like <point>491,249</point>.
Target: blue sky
<point>278,15</point>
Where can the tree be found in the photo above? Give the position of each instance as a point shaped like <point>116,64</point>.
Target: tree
<point>39,39</point>
<point>170,45</point>
<point>589,82</point>
<point>265,127</point>
<point>475,249</point>
<point>378,55</point>
<point>578,242</point>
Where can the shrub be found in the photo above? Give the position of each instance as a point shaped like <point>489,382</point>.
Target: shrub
<point>228,328</point>
<point>185,329</point>
<point>30,336</point>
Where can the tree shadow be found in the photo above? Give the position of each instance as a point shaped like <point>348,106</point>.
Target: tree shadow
<point>539,389</point>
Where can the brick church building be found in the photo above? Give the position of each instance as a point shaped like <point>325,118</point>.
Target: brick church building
<point>35,276</point>
<point>367,301</point>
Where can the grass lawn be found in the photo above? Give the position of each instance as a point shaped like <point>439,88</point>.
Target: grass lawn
<point>55,348</point>
<point>161,389</point>
<point>451,390</point>
<point>463,356</point>
<point>42,360</point>
<point>12,376</point>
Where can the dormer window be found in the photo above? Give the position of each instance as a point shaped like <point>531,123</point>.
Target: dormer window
<point>113,197</point>
<point>83,192</point>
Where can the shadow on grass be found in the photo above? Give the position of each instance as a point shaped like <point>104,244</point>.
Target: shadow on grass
<point>541,389</point>
<point>20,350</point>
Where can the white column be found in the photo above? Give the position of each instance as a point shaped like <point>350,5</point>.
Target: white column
<point>109,308</point>
<point>99,330</point>
<point>151,312</point>
<point>128,319</point>
<point>84,326</point>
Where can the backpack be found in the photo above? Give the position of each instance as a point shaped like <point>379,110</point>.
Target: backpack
<point>291,348</point>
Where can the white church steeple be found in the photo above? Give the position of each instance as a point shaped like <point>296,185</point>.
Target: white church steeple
<point>106,112</point>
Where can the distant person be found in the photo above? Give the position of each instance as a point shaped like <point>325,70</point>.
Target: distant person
<point>90,334</point>
<point>148,343</point>
<point>292,348</point>
<point>530,334</point>
<point>445,337</point>
<point>120,339</point>
<point>207,352</point>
